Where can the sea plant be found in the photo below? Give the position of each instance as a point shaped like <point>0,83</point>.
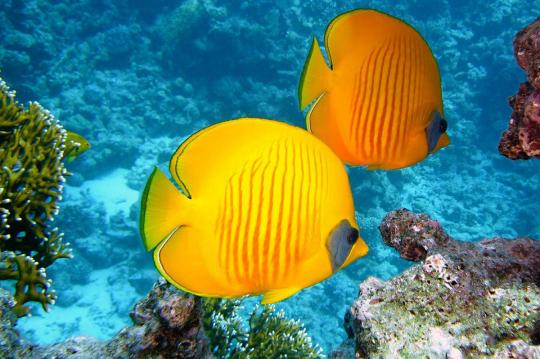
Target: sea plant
<point>32,174</point>
<point>267,333</point>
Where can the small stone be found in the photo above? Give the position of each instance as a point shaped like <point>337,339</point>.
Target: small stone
<point>454,353</point>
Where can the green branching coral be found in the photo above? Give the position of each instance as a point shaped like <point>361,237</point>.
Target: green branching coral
<point>32,174</point>
<point>269,334</point>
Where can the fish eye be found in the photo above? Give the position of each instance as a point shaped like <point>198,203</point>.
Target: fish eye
<point>443,125</point>
<point>352,237</point>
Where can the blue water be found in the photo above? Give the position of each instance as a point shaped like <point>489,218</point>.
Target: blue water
<point>137,77</point>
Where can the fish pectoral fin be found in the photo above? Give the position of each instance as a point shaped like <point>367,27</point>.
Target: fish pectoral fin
<point>277,295</point>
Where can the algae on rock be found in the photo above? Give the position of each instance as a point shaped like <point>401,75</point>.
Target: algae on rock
<point>466,299</point>
<point>32,174</point>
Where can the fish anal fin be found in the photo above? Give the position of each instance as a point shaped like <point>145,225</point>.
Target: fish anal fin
<point>319,122</point>
<point>385,166</point>
<point>182,260</point>
<point>277,295</point>
<point>374,167</point>
<point>315,76</point>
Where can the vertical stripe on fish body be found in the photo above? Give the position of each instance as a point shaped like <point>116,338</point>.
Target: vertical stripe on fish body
<point>268,211</point>
<point>374,104</point>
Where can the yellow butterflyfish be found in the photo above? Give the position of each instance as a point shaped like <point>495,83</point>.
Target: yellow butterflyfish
<point>380,102</point>
<point>265,208</point>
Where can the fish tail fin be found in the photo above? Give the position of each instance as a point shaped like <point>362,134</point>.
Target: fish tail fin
<point>162,209</point>
<point>315,76</point>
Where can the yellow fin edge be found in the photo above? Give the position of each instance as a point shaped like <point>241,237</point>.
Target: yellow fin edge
<point>313,106</point>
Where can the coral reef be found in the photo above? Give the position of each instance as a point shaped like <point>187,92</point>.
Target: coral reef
<point>31,183</point>
<point>465,299</point>
<point>166,324</point>
<point>269,334</point>
<point>522,138</point>
<point>179,24</point>
<point>10,341</point>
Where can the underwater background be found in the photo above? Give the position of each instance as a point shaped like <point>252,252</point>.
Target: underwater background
<point>138,77</point>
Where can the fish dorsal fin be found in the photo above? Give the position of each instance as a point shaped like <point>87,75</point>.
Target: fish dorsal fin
<point>205,157</point>
<point>209,158</point>
<point>277,295</point>
<point>352,36</point>
<point>178,157</point>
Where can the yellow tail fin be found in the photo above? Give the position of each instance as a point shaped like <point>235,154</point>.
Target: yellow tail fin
<point>162,207</point>
<point>315,76</point>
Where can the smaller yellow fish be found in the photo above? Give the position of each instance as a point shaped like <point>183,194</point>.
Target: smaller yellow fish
<point>75,146</point>
<point>379,103</point>
<point>265,209</point>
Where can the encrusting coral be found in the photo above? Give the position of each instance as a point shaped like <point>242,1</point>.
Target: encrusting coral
<point>466,300</point>
<point>32,174</point>
<point>522,138</point>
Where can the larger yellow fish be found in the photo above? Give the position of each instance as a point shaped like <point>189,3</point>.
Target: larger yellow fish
<point>266,208</point>
<point>380,103</point>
